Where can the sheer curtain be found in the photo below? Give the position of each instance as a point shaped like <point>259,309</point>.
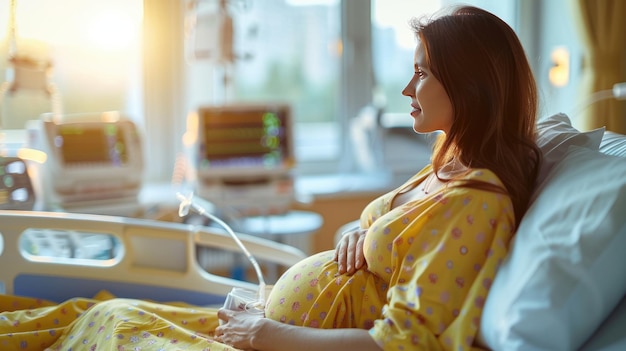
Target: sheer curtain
<point>603,25</point>
<point>163,86</point>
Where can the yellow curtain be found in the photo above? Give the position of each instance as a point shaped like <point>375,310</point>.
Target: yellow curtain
<point>603,24</point>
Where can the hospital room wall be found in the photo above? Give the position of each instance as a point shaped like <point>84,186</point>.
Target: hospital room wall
<point>553,28</point>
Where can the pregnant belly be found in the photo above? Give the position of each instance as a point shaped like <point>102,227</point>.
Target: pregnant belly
<point>311,293</point>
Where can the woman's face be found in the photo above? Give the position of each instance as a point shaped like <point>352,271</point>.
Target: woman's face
<point>432,109</point>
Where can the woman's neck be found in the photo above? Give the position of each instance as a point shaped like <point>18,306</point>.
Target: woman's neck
<point>451,170</point>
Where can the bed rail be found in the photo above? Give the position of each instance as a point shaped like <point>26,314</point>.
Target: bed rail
<point>129,257</point>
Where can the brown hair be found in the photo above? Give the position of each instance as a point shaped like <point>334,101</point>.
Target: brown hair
<point>482,65</point>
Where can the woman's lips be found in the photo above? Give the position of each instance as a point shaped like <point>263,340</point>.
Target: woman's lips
<point>416,110</point>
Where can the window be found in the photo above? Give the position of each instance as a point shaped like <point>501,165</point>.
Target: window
<point>301,64</point>
<point>393,41</point>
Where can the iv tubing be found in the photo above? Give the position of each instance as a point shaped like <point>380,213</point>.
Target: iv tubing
<point>187,202</point>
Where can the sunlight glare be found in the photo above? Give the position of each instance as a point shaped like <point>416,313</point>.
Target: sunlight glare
<point>112,31</point>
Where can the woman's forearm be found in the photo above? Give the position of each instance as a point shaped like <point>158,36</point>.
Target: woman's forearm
<point>275,336</point>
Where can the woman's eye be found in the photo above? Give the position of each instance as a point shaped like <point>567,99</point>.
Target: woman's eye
<point>420,74</point>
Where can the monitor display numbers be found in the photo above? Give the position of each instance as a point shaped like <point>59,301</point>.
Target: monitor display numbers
<point>243,138</point>
<point>97,144</point>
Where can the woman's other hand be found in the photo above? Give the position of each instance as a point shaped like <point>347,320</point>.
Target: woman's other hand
<point>349,252</point>
<point>239,329</point>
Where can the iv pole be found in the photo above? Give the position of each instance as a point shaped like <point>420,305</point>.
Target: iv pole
<point>218,29</point>
<point>26,73</point>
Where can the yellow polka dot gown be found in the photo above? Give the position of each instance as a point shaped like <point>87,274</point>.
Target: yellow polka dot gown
<point>430,264</point>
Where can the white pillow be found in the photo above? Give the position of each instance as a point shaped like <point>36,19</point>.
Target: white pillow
<point>555,135</point>
<point>565,271</point>
<point>613,144</point>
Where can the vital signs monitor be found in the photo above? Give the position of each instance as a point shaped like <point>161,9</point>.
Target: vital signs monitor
<point>89,160</point>
<point>242,156</point>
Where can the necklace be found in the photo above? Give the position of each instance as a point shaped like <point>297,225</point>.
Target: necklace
<point>448,173</point>
<point>426,184</point>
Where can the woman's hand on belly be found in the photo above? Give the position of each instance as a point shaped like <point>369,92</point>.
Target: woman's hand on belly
<point>349,252</point>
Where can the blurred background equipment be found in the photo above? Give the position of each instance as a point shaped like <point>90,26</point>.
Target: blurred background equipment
<point>212,36</point>
<point>93,163</point>
<point>241,157</point>
<point>16,190</point>
<point>26,93</point>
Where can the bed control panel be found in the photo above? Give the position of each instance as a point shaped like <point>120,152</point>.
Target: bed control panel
<point>16,190</point>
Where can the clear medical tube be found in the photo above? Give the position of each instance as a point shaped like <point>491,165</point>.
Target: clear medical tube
<point>618,92</point>
<point>187,202</point>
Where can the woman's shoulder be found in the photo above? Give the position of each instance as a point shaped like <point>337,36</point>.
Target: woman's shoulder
<point>483,175</point>
<point>479,182</point>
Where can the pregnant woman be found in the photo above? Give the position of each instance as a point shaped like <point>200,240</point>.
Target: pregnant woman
<point>417,271</point>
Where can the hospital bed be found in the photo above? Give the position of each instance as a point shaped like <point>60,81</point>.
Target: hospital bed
<point>57,256</point>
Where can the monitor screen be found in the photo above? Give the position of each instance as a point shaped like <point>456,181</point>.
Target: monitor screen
<point>91,143</point>
<point>244,137</point>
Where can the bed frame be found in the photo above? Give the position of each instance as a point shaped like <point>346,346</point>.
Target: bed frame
<point>151,259</point>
